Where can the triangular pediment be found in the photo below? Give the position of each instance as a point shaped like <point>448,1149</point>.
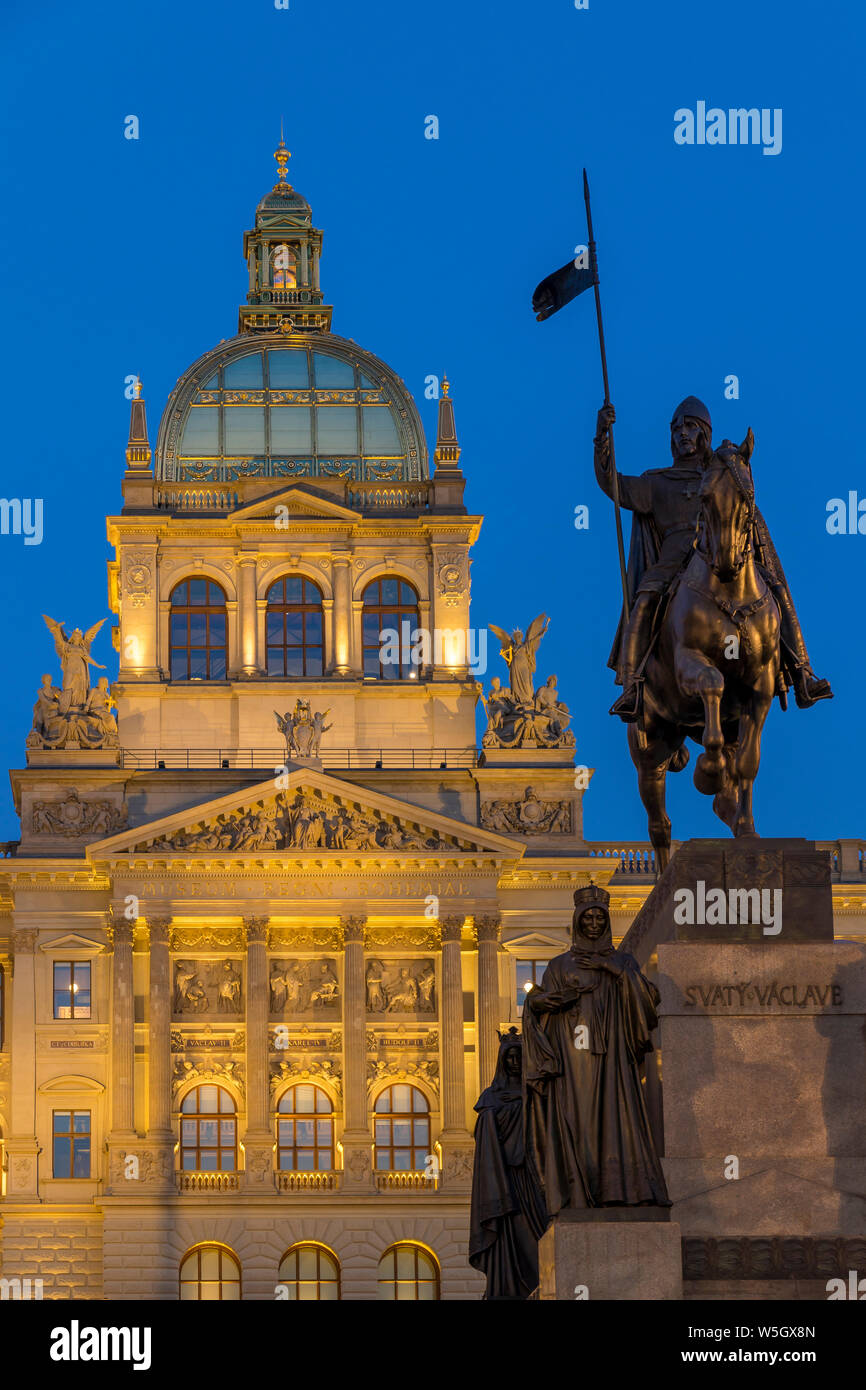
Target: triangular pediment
<point>306,811</point>
<point>299,500</point>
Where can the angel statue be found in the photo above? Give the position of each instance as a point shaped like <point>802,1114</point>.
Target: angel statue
<point>518,653</point>
<point>74,654</point>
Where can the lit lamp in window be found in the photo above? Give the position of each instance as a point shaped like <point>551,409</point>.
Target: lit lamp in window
<point>285,276</point>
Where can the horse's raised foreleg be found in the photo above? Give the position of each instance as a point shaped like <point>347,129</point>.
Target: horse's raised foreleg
<point>699,679</point>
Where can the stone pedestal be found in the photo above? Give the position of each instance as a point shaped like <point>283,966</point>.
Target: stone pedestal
<point>625,1253</point>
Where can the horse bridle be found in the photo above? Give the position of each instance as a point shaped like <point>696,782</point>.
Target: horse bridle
<point>746,489</point>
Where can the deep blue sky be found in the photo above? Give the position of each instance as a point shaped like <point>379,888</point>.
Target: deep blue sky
<point>123,257</point>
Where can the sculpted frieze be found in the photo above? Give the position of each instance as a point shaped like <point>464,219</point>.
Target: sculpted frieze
<point>208,987</point>
<point>305,820</point>
<point>71,816</point>
<point>301,1069</point>
<point>400,986</point>
<point>299,987</point>
<point>403,1069</point>
<point>206,1069</point>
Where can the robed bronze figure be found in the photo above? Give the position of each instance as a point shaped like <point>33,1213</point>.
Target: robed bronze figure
<point>507,1214</point>
<point>712,635</point>
<point>585,1033</point>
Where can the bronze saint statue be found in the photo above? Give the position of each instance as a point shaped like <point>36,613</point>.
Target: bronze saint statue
<point>713,634</point>
<point>666,503</point>
<point>585,1032</point>
<point>507,1215</point>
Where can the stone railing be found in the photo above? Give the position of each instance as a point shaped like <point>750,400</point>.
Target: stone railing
<point>388,497</point>
<point>266,759</point>
<point>192,499</point>
<point>406,1182</point>
<point>208,1182</point>
<point>637,859</point>
<point>308,1182</point>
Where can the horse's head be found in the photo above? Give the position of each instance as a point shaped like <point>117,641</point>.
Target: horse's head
<point>727,508</point>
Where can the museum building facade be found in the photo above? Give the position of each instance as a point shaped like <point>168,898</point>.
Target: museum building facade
<point>261,932</point>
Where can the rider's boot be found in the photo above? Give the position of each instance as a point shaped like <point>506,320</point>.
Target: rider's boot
<point>808,688</point>
<point>634,644</point>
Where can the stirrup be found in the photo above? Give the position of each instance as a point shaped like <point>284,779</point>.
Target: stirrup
<point>628,706</point>
<point>809,688</point>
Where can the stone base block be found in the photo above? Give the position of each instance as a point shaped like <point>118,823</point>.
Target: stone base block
<point>627,1260</point>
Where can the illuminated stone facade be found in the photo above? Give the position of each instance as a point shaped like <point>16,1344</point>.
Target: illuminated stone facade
<point>250,994</point>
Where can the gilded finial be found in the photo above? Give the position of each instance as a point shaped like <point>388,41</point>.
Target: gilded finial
<point>282,156</point>
<point>446,385</point>
<point>137,388</point>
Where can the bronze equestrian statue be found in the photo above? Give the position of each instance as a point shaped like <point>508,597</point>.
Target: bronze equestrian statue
<point>713,634</point>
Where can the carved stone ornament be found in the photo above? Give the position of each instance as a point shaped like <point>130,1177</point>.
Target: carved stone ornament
<point>188,1068</point>
<point>402,1069</point>
<point>451,574</point>
<point>308,820</point>
<point>139,1165</point>
<point>137,574</point>
<point>400,986</point>
<point>302,730</point>
<point>72,816</point>
<point>424,938</point>
<point>310,936</point>
<point>528,816</point>
<point>301,1069</point>
<point>207,939</point>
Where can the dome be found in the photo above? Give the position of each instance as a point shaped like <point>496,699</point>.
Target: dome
<point>275,405</point>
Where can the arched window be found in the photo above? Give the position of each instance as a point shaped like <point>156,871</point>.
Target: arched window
<point>285,262</point>
<point>294,627</point>
<point>208,1131</point>
<point>390,620</point>
<point>209,1273</point>
<point>198,631</point>
<point>305,1131</point>
<point>310,1273</point>
<point>402,1133</point>
<point>408,1272</point>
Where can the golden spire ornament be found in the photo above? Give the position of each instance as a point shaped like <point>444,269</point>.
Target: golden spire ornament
<point>282,156</point>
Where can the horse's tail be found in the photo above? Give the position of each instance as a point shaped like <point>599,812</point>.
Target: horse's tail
<point>679,759</point>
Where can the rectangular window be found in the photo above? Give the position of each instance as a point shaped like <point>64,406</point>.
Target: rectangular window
<point>288,369</point>
<point>291,429</point>
<point>380,432</point>
<point>245,430</point>
<point>71,1144</point>
<point>332,372</point>
<point>338,429</point>
<point>71,989</point>
<point>201,433</point>
<point>529,972</point>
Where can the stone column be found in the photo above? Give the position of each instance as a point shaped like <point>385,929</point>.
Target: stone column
<point>160,1135</point>
<point>357,1139</point>
<point>258,1139</point>
<point>122,1032</point>
<point>22,1148</point>
<point>455,1141</point>
<point>487,930</point>
<point>247,617</point>
<point>342,572</point>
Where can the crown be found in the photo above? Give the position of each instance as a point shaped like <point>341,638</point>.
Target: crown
<point>511,1035</point>
<point>592,896</point>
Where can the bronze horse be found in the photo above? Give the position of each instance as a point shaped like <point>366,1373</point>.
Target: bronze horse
<point>713,667</point>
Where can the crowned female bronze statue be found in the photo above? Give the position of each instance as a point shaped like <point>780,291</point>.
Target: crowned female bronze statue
<point>585,1032</point>
<point>508,1216</point>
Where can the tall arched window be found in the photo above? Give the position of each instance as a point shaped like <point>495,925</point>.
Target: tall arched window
<point>198,631</point>
<point>209,1273</point>
<point>402,1130</point>
<point>294,627</point>
<point>310,1273</point>
<point>285,261</point>
<point>408,1272</point>
<point>305,1131</point>
<point>390,620</point>
<point>208,1131</point>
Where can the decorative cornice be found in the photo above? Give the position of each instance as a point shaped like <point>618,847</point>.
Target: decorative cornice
<point>420,938</point>
<point>309,937</point>
<point>206,939</point>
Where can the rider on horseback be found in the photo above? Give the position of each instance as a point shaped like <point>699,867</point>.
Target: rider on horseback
<point>666,503</point>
